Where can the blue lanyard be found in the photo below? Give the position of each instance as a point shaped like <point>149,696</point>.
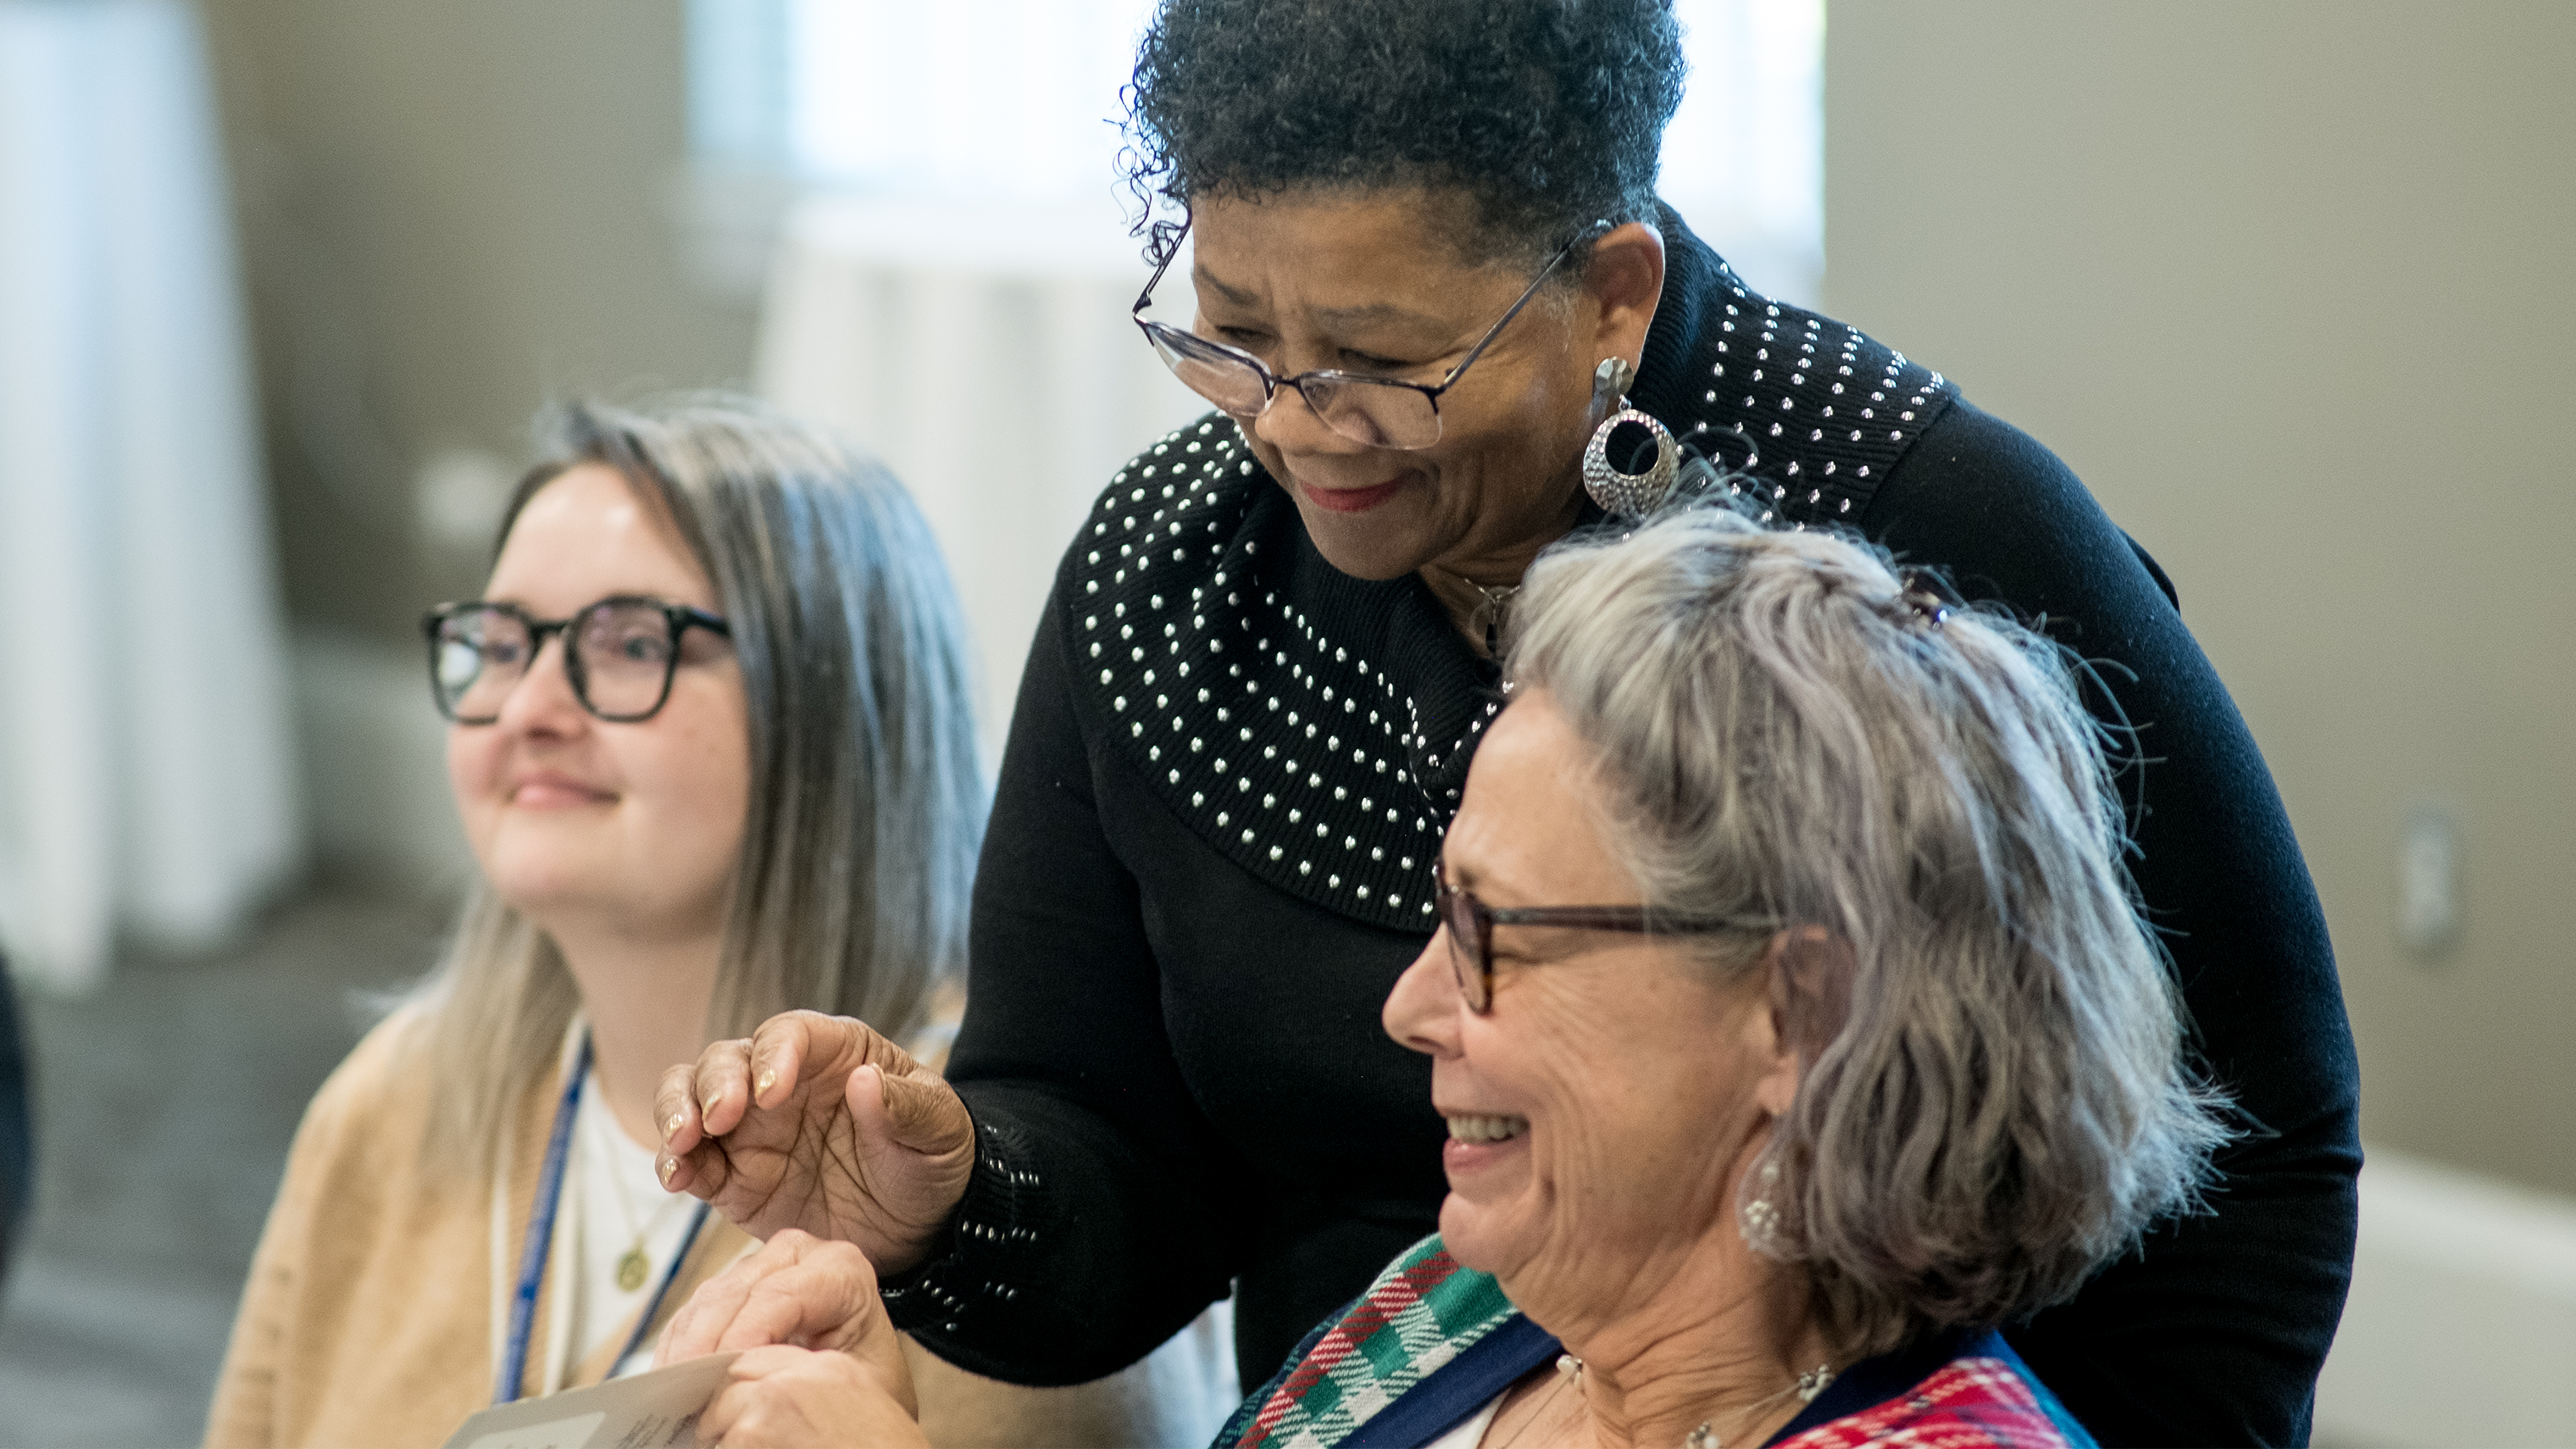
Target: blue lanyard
<point>670,1275</point>
<point>541,1233</point>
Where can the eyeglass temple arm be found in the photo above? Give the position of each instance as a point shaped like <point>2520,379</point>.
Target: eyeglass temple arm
<point>1161,267</point>
<point>1592,233</point>
<point>713,624</point>
<point>1615,918</point>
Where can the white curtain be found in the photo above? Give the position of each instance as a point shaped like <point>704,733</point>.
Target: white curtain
<point>986,356</point>
<point>146,773</point>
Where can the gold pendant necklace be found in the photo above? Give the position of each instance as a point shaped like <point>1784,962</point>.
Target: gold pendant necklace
<point>634,1265</point>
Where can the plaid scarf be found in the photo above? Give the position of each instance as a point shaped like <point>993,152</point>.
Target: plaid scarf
<point>1423,1311</point>
<point>1972,1403</point>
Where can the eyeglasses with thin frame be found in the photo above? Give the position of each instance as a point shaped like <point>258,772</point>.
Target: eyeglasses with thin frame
<point>620,654</point>
<point>1383,412</point>
<point>1471,926</point>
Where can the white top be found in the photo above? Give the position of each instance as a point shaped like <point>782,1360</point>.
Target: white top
<point>611,1195</point>
<point>1471,1433</point>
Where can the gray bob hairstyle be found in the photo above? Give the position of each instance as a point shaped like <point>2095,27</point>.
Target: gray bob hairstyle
<point>867,802</point>
<point>1993,1100</point>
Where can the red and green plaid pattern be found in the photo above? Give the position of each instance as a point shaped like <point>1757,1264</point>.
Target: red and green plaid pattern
<point>1423,1311</point>
<point>1973,1403</point>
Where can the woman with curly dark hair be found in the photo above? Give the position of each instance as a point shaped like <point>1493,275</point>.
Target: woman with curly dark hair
<point>1446,322</point>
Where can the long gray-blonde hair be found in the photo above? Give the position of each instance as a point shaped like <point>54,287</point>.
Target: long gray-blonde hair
<point>1994,1100</point>
<point>867,803</point>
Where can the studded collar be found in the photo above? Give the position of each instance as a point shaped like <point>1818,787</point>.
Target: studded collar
<point>1315,728</point>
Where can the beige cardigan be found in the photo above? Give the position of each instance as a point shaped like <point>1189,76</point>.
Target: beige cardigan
<point>367,1320</point>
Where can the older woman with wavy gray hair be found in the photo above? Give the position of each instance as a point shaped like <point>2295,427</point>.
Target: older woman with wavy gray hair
<point>1792,1016</point>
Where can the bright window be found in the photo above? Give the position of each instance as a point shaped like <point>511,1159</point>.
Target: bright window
<point>1018,99</point>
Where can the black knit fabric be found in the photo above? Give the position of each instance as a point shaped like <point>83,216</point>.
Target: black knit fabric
<point>1209,857</point>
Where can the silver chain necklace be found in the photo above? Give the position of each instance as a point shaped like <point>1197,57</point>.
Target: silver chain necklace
<point>1806,1387</point>
<point>1495,609</point>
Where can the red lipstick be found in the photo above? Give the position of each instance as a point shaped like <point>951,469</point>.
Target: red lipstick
<point>1349,500</point>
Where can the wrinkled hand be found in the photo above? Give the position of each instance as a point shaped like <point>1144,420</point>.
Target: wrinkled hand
<point>794,1398</point>
<point>821,1364</point>
<point>799,1290</point>
<point>818,1123</point>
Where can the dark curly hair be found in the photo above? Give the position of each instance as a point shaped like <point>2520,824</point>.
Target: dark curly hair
<point>1545,114</point>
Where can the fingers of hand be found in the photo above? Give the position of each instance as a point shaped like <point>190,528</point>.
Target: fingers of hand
<point>919,1110</point>
<point>790,1396</point>
<point>882,1051</point>
<point>701,1172</point>
<point>675,1108</point>
<point>701,1323</point>
<point>723,1087</point>
<point>805,1290</point>
<point>796,1289</point>
<point>689,1160</point>
<point>778,1053</point>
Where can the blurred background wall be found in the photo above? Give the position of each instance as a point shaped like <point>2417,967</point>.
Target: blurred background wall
<point>2288,286</point>
<point>451,212</point>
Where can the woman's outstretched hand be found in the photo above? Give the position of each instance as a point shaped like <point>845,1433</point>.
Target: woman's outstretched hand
<point>793,1398</point>
<point>820,1363</point>
<point>798,1290</point>
<point>818,1123</point>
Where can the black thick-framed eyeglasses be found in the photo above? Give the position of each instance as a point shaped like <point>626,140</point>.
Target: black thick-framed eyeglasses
<point>619,653</point>
<point>1383,412</point>
<point>1471,926</point>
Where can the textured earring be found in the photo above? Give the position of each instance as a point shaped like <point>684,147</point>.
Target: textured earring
<point>1761,1219</point>
<point>1621,493</point>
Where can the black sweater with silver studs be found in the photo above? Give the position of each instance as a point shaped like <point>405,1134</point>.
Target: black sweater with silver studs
<point>1229,770</point>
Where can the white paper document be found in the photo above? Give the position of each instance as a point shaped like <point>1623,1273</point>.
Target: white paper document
<point>656,1410</point>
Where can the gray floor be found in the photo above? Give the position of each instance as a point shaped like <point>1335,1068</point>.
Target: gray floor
<point>165,1103</point>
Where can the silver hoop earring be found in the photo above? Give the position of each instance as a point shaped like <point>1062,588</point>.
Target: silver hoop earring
<point>1624,494</point>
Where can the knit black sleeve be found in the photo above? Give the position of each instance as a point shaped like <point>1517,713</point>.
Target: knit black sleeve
<point>2215,1332</point>
<point>1087,1235</point>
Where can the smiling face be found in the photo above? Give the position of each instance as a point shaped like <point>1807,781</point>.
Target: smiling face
<point>1369,282</point>
<point>577,822</point>
<point>1602,1110</point>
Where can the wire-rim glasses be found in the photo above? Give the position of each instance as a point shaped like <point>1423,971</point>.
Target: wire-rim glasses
<point>1471,926</point>
<point>620,654</point>
<point>1383,412</point>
